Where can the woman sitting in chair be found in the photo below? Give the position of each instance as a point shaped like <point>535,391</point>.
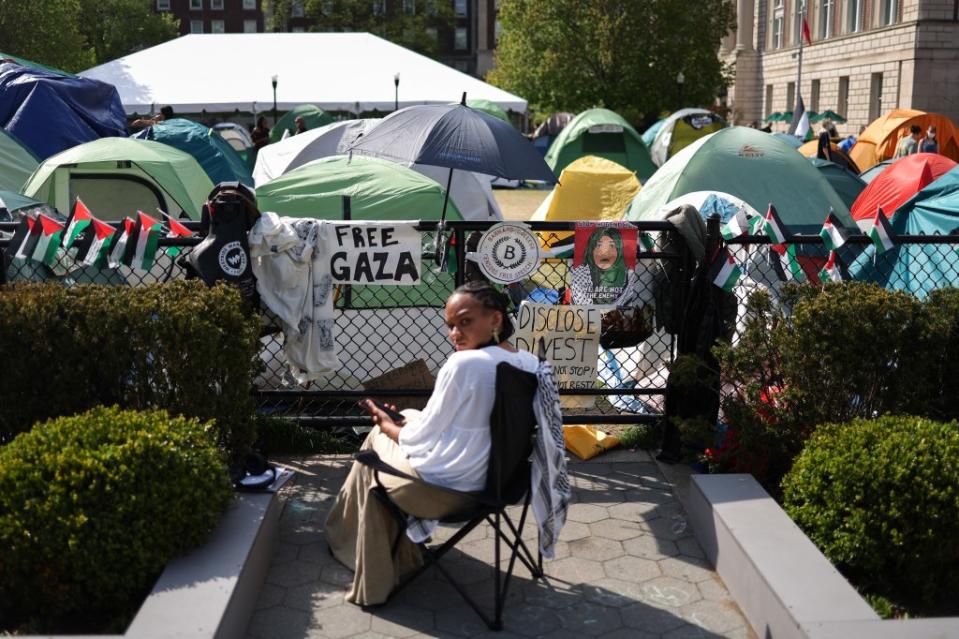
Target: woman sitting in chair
<point>447,444</point>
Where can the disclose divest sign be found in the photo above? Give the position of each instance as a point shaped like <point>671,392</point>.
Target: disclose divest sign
<point>571,336</point>
<point>382,253</point>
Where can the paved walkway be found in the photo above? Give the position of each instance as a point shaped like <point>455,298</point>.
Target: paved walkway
<point>626,566</point>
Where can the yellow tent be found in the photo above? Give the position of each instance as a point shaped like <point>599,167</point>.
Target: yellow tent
<point>591,188</point>
<point>878,142</point>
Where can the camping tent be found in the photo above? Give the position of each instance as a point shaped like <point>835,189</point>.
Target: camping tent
<point>844,182</point>
<point>471,192</point>
<point>681,129</point>
<point>49,112</point>
<point>749,164</point>
<point>810,149</point>
<point>918,268</point>
<point>489,107</point>
<point>591,188</point>
<point>894,186</point>
<point>605,134</point>
<point>313,117</point>
<point>225,72</point>
<point>878,142</point>
<point>238,138</point>
<point>871,173</point>
<point>115,177</point>
<point>16,163</point>
<point>650,134</point>
<point>791,140</point>
<point>12,203</point>
<point>214,154</point>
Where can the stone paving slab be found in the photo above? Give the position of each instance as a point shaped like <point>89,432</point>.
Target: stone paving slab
<point>626,566</point>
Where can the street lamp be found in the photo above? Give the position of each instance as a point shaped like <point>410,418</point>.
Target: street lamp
<point>680,81</point>
<point>273,80</point>
<point>396,95</point>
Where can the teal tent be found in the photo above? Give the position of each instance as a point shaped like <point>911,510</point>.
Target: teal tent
<point>17,163</point>
<point>844,182</point>
<point>313,116</point>
<point>918,268</point>
<point>791,140</point>
<point>218,159</point>
<point>650,134</point>
<point>870,174</point>
<point>751,165</point>
<point>603,133</point>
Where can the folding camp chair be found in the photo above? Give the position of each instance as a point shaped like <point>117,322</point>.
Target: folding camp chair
<point>512,428</point>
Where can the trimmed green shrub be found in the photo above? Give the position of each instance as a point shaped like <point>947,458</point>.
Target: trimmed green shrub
<point>95,505</point>
<point>943,308</point>
<point>278,436</point>
<point>180,346</point>
<point>880,498</point>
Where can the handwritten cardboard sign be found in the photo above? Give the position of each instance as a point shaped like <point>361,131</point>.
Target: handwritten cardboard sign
<point>571,335</point>
<point>379,253</point>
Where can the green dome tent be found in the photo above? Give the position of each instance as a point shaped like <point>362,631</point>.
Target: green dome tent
<point>489,107</point>
<point>844,182</point>
<point>751,165</point>
<point>312,115</point>
<point>215,155</point>
<point>681,129</point>
<point>117,176</point>
<point>603,133</point>
<point>16,163</point>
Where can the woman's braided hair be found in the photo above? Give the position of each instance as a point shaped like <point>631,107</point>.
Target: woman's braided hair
<point>487,295</point>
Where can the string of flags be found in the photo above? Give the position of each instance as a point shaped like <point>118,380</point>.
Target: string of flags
<point>134,242</point>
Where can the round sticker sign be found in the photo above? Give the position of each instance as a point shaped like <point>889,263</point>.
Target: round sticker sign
<point>233,259</point>
<point>507,252</point>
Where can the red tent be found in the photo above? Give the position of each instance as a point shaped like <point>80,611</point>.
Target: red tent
<point>897,183</point>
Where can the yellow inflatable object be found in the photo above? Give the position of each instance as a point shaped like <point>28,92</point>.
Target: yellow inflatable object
<point>591,188</point>
<point>586,441</point>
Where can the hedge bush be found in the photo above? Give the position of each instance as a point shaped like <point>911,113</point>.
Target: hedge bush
<point>180,346</point>
<point>94,506</point>
<point>881,499</point>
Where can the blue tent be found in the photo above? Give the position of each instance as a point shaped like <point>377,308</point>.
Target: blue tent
<point>919,268</point>
<point>51,112</point>
<point>650,134</point>
<point>212,152</point>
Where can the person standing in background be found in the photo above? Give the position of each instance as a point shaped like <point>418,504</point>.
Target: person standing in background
<point>929,143</point>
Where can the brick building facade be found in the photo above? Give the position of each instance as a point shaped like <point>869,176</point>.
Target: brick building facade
<point>867,57</point>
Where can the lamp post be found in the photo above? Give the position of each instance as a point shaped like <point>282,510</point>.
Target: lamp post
<point>680,81</point>
<point>396,94</point>
<point>273,80</point>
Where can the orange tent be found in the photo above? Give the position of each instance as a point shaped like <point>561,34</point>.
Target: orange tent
<point>811,149</point>
<point>878,142</point>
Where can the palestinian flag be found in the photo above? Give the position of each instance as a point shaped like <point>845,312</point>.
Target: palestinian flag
<point>142,248</point>
<point>773,227</point>
<point>98,252</point>
<point>800,126</point>
<point>724,272</point>
<point>48,241</point>
<point>756,224</point>
<point>736,226</point>
<point>647,241</point>
<point>834,270</point>
<point>77,223</point>
<point>562,249</point>
<point>176,230</point>
<point>785,263</point>
<point>883,237</point>
<point>833,234</point>
<point>24,239</point>
<point>118,243</point>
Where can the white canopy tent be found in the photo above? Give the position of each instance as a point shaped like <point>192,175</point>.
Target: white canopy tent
<point>335,71</point>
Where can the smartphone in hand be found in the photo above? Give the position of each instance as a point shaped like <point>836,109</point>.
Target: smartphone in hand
<point>396,416</point>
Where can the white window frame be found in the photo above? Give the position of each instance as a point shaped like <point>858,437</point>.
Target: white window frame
<point>194,24</point>
<point>888,12</point>
<point>855,10</point>
<point>456,39</point>
<point>246,26</point>
<point>213,26</point>
<point>777,32</point>
<point>460,8</point>
<point>297,10</point>
<point>298,29</point>
<point>409,7</point>
<point>163,5</point>
<point>249,5</point>
<point>196,5</point>
<point>826,10</point>
<point>798,16</point>
<point>216,5</point>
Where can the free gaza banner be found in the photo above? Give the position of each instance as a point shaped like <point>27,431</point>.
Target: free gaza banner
<point>380,253</point>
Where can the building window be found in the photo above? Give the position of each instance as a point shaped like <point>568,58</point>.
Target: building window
<point>432,34</point>
<point>814,96</point>
<point>797,20</point>
<point>296,9</point>
<point>790,95</point>
<point>459,40</point>
<point>196,5</point>
<point>217,26</point>
<point>875,96</point>
<point>216,5</point>
<point>249,26</point>
<point>328,7</point>
<point>888,12</point>
<point>769,99</point>
<point>777,4</point>
<point>409,7</point>
<point>163,5</point>
<point>854,14</point>
<point>298,29</point>
<point>196,26</point>
<point>825,18</point>
<point>249,4</point>
<point>842,102</point>
<point>777,32</point>
<point>459,8</point>
<point>379,7</point>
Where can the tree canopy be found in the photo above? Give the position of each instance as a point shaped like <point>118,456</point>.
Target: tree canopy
<point>625,55</point>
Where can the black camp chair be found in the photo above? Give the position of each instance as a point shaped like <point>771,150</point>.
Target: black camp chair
<point>512,428</point>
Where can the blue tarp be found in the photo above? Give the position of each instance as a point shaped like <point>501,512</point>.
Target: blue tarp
<point>50,112</point>
<point>212,152</point>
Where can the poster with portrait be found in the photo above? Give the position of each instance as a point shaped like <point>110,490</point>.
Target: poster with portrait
<point>604,262</point>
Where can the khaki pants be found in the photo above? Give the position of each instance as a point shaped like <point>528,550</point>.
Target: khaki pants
<point>360,530</point>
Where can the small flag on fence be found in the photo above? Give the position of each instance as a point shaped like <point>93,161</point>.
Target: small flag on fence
<point>725,272</point>
<point>176,230</point>
<point>647,241</point>
<point>24,239</point>
<point>773,227</point>
<point>738,224</point>
<point>834,270</point>
<point>786,263</point>
<point>833,234</point>
<point>118,243</point>
<point>98,251</point>
<point>883,237</point>
<point>145,237</point>
<point>80,218</point>
<point>48,242</point>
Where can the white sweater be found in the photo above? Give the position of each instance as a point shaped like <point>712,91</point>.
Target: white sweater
<point>450,442</point>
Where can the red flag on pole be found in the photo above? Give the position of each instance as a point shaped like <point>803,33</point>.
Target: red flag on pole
<point>805,31</point>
